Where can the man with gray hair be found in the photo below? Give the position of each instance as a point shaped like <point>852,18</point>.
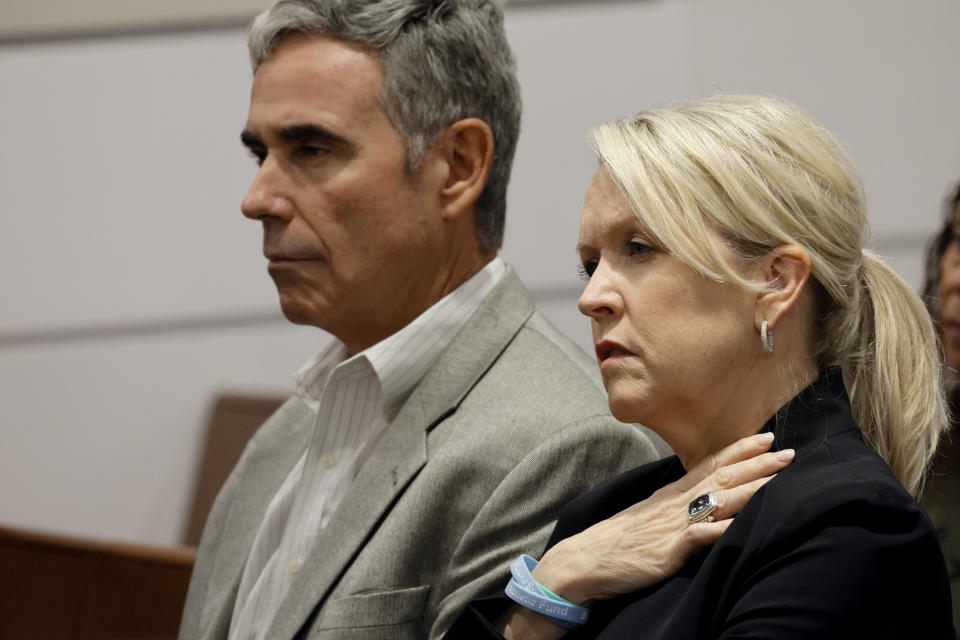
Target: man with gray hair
<point>437,436</point>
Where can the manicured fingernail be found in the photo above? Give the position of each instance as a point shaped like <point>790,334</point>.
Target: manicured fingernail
<point>786,454</point>
<point>765,437</point>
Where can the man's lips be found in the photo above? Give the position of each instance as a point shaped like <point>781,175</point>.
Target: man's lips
<point>282,257</point>
<point>608,349</point>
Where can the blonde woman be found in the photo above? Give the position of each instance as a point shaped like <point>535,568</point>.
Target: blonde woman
<point>730,295</point>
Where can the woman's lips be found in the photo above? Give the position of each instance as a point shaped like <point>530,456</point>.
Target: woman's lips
<point>608,349</point>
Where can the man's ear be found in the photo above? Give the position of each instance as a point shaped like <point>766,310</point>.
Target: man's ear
<point>786,269</point>
<point>467,148</point>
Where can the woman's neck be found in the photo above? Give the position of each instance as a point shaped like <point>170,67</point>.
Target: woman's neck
<point>748,401</point>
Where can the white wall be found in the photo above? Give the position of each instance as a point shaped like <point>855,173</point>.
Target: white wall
<point>133,290</point>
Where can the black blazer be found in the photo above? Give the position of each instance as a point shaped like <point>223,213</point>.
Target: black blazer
<point>833,547</point>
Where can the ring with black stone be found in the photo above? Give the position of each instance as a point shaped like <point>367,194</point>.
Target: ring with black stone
<point>701,507</point>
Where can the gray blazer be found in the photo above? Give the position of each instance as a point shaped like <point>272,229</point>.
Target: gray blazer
<point>509,425</point>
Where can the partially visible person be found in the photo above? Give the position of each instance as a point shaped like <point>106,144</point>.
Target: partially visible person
<point>941,497</point>
<point>408,467</point>
<point>941,289</point>
<point>709,228</point>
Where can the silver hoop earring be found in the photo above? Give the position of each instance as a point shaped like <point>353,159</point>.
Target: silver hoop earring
<point>766,337</point>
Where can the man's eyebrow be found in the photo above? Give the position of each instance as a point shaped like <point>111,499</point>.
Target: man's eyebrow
<point>296,133</point>
<point>301,132</point>
<point>250,140</point>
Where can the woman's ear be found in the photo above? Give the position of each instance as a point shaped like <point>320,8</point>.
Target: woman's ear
<point>467,148</point>
<point>786,269</point>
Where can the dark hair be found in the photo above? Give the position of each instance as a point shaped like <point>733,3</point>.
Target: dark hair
<point>934,254</point>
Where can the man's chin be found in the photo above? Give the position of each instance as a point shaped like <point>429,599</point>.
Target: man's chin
<point>298,313</point>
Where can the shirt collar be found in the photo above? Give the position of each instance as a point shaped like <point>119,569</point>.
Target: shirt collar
<point>401,360</point>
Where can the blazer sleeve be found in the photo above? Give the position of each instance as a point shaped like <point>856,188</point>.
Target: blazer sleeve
<point>200,577</point>
<point>522,510</point>
<point>849,572</point>
<point>209,600</point>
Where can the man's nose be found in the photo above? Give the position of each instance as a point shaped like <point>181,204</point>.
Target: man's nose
<point>266,197</point>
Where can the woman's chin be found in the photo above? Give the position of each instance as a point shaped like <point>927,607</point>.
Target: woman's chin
<point>627,410</point>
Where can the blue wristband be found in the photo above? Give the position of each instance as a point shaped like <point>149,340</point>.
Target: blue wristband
<point>527,592</point>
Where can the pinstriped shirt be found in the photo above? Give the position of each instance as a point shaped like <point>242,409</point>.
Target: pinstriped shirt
<point>355,399</point>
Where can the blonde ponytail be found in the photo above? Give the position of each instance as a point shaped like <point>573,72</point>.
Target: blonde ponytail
<point>893,373</point>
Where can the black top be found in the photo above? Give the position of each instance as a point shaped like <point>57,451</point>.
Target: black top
<point>833,547</point>
<point>941,499</point>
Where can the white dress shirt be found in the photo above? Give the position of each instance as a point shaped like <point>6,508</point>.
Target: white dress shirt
<point>355,400</point>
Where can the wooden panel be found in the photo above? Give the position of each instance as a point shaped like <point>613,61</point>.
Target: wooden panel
<point>232,423</point>
<point>73,589</point>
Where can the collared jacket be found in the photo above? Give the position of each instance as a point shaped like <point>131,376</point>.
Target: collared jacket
<point>832,547</point>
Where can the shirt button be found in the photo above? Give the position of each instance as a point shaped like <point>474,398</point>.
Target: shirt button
<point>295,565</point>
<point>329,460</point>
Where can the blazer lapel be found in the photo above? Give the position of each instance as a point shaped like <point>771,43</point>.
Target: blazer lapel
<point>402,451</point>
<point>475,349</point>
<point>399,454</point>
<point>269,465</point>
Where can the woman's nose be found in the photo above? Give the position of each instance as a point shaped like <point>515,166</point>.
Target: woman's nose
<point>600,297</point>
